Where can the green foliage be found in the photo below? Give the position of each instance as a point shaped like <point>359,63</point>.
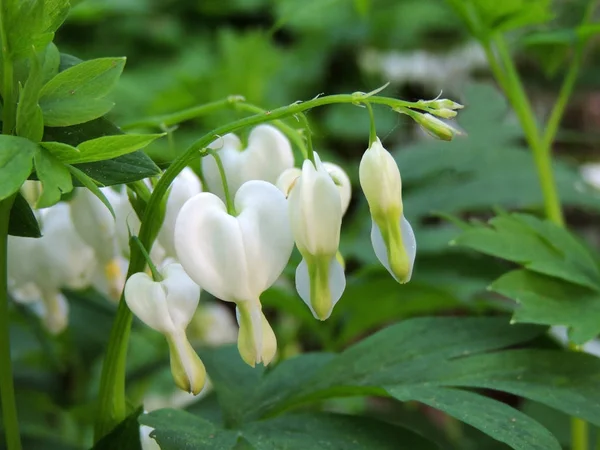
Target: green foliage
<point>54,175</point>
<point>22,219</point>
<point>30,121</point>
<point>78,94</point>
<point>90,183</point>
<point>561,283</point>
<point>126,435</point>
<point>16,161</point>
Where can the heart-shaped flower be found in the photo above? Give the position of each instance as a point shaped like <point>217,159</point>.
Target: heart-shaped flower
<point>236,258</point>
<point>267,155</point>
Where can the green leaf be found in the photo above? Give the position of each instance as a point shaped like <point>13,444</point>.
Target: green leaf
<point>55,178</point>
<point>62,152</point>
<point>30,122</point>
<point>16,160</point>
<point>177,430</point>
<point>332,432</point>
<point>549,301</point>
<point>538,245</point>
<point>494,418</point>
<point>108,147</point>
<point>122,170</point>
<point>51,63</point>
<point>22,220</point>
<point>567,381</point>
<point>91,185</point>
<point>77,94</point>
<point>126,435</point>
<point>76,134</point>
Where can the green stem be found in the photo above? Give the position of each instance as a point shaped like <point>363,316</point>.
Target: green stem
<point>7,389</point>
<point>166,120</point>
<point>228,199</point>
<point>8,101</point>
<point>372,127</point>
<point>541,155</point>
<point>310,154</point>
<point>156,276</point>
<point>112,407</point>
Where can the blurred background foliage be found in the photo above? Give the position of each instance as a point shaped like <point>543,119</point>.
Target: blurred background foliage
<point>183,53</point>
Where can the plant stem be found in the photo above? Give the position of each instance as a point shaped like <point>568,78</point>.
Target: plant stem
<point>310,153</point>
<point>541,155</point>
<point>8,101</point>
<point>228,199</point>
<point>372,128</point>
<point>7,389</point>
<point>111,407</point>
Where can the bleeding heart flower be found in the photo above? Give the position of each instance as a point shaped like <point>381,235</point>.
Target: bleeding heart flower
<point>236,258</point>
<point>267,155</point>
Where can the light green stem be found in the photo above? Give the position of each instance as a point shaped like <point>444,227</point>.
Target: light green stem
<point>112,407</point>
<point>8,101</point>
<point>310,153</point>
<point>372,128</point>
<point>7,389</point>
<point>156,276</point>
<point>223,175</point>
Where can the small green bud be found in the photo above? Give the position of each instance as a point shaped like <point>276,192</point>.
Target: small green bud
<point>435,127</point>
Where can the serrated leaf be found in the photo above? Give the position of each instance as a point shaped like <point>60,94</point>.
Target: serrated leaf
<point>126,435</point>
<point>549,301</point>
<point>16,161</point>
<point>92,186</point>
<point>30,122</point>
<point>22,221</point>
<point>55,178</point>
<point>538,245</point>
<point>494,418</point>
<point>77,95</point>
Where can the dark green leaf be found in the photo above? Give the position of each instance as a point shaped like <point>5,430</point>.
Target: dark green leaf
<point>91,185</point>
<point>76,134</point>
<point>549,301</point>
<point>22,221</point>
<point>540,246</point>
<point>331,432</point>
<point>77,95</point>
<point>126,435</point>
<point>30,122</point>
<point>55,178</point>
<point>567,381</point>
<point>16,160</point>
<point>180,430</point>
<point>494,418</point>
<point>51,63</point>
<point>124,169</point>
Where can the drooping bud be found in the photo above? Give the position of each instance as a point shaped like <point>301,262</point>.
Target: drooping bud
<point>391,235</point>
<point>436,127</point>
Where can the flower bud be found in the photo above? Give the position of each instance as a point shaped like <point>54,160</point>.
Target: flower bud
<point>435,127</point>
<point>256,340</point>
<point>442,103</point>
<point>316,218</point>
<point>391,234</point>
<point>168,306</point>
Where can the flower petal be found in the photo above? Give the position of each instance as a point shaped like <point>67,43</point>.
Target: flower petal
<point>409,247</point>
<point>329,294</point>
<point>182,295</point>
<point>147,300</point>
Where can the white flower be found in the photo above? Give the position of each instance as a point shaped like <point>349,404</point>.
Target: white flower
<point>236,258</point>
<point>316,219</point>
<point>39,268</point>
<point>391,235</point>
<point>267,155</point>
<point>288,178</point>
<point>185,186</point>
<point>168,306</point>
<point>591,174</point>
<point>214,325</point>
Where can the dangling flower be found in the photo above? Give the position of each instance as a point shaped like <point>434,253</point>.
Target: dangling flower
<point>267,155</point>
<point>288,178</point>
<point>316,219</point>
<point>236,258</point>
<point>39,268</point>
<point>168,306</point>
<point>391,235</point>
<point>213,325</point>
<point>185,186</point>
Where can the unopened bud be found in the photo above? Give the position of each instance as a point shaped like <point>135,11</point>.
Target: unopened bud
<point>256,340</point>
<point>186,367</point>
<point>435,127</point>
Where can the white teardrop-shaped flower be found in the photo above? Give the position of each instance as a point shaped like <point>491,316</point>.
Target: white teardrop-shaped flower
<point>316,219</point>
<point>267,155</point>
<point>168,306</point>
<point>288,178</point>
<point>185,186</point>
<point>236,258</point>
<point>39,268</point>
<point>391,235</point>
